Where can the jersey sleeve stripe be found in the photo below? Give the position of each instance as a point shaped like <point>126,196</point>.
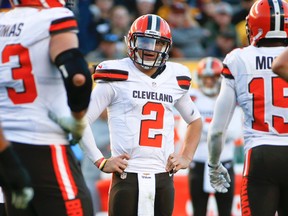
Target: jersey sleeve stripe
<point>227,73</point>
<point>64,24</point>
<point>184,82</point>
<point>111,75</point>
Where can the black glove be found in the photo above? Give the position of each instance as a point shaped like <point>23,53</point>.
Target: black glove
<point>16,178</point>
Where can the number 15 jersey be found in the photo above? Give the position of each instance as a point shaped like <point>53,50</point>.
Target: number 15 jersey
<point>262,95</point>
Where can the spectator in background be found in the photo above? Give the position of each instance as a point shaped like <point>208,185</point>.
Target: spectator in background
<point>120,21</point>
<point>101,15</point>
<point>239,20</point>
<point>186,33</point>
<point>90,171</point>
<point>145,7</point>
<point>206,12</point>
<point>221,22</point>
<point>225,42</point>
<point>107,49</point>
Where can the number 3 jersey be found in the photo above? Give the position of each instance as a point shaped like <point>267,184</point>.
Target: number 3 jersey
<point>262,95</point>
<point>140,110</point>
<point>30,84</point>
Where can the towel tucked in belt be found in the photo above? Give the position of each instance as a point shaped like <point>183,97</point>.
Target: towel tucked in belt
<point>146,198</point>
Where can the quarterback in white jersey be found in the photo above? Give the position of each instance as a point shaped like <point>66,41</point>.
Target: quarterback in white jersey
<point>45,88</point>
<point>141,93</point>
<point>262,95</point>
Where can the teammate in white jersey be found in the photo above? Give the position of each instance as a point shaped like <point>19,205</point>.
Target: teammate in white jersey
<point>140,93</point>
<point>208,79</point>
<point>38,40</point>
<point>249,81</point>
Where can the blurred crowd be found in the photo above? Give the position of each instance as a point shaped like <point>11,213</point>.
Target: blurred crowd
<point>199,27</point>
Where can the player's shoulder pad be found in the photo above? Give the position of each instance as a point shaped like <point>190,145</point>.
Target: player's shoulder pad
<point>62,20</point>
<point>110,71</point>
<point>182,74</point>
<point>194,93</point>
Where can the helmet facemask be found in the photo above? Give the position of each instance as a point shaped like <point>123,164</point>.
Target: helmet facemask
<point>144,46</point>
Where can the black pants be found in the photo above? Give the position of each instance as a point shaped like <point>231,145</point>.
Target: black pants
<point>200,198</point>
<point>59,186</point>
<point>264,187</point>
<point>123,199</point>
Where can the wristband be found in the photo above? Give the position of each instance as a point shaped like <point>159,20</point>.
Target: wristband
<point>101,167</point>
<point>101,163</point>
<point>213,166</point>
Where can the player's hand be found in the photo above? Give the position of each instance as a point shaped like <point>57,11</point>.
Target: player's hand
<point>116,164</point>
<point>70,125</point>
<point>219,178</point>
<point>176,162</point>
<point>21,198</point>
<point>16,178</point>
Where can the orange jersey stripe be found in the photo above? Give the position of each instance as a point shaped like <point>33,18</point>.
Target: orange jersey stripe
<point>64,24</point>
<point>111,75</point>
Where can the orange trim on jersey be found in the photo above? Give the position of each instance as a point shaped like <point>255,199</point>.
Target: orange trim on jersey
<point>184,82</point>
<point>247,163</point>
<point>68,23</point>
<point>111,75</point>
<point>226,71</point>
<point>61,166</point>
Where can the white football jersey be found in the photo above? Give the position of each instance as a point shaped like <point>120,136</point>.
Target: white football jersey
<point>140,110</point>
<point>261,94</point>
<point>30,84</point>
<point>206,105</point>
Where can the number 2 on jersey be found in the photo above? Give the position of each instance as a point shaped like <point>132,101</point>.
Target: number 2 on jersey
<point>257,89</point>
<point>148,125</point>
<point>22,73</point>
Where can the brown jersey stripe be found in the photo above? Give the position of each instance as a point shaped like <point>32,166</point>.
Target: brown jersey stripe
<point>111,75</point>
<point>184,82</point>
<point>64,24</point>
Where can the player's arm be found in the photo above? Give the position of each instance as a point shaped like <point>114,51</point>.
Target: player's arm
<point>191,115</point>
<point>280,65</point>
<point>15,176</point>
<point>74,69</point>
<point>223,112</point>
<point>102,96</point>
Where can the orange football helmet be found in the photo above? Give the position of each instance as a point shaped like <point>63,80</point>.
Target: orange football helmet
<point>38,3</point>
<point>145,32</point>
<point>267,19</point>
<point>209,67</point>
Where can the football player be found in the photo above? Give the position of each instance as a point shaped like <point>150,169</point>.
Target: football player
<point>208,79</point>
<point>249,81</point>
<point>42,72</point>
<point>141,92</point>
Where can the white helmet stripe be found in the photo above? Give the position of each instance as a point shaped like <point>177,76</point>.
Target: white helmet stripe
<point>44,3</point>
<point>277,15</point>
